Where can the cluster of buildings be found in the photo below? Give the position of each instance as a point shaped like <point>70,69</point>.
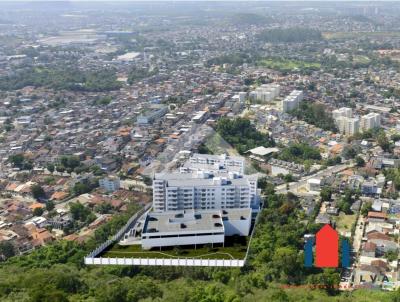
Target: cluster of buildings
<point>349,125</point>
<point>208,199</point>
<point>265,93</point>
<point>158,116</point>
<point>377,265</point>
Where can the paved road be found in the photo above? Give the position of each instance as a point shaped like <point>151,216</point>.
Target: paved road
<point>358,234</point>
<point>303,181</point>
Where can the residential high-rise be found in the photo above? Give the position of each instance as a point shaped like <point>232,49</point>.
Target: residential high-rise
<point>344,111</point>
<point>206,182</point>
<point>202,190</point>
<point>266,92</point>
<point>292,101</point>
<point>370,121</point>
<point>348,125</point>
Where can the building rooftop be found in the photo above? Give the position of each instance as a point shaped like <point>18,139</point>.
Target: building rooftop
<point>183,222</point>
<point>201,178</point>
<point>189,221</point>
<point>262,151</point>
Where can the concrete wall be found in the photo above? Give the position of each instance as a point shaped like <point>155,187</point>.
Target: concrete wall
<point>164,262</point>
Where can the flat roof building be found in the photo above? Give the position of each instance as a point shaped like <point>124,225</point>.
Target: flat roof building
<point>150,114</point>
<point>190,227</point>
<point>214,163</point>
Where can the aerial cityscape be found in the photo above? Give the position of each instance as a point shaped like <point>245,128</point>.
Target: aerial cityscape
<point>199,151</point>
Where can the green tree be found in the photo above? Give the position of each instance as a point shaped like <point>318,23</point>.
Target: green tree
<point>17,160</point>
<point>104,208</point>
<point>383,141</point>
<point>37,191</point>
<point>288,178</point>
<point>7,249</point>
<point>242,134</point>
<point>80,212</point>
<point>366,207</point>
<point>50,167</point>
<point>50,205</point>
<point>349,152</point>
<point>326,194</point>
<point>315,114</point>
<point>38,212</point>
<point>81,188</point>
<point>360,162</point>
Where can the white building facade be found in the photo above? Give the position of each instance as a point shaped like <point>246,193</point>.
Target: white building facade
<point>194,227</point>
<point>348,125</point>
<point>344,111</point>
<point>266,92</point>
<point>370,121</point>
<point>292,101</point>
<point>110,183</point>
<point>201,190</point>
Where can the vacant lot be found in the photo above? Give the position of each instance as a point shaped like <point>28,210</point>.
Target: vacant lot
<point>344,222</point>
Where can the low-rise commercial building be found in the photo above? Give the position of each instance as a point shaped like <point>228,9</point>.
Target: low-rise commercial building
<point>194,227</point>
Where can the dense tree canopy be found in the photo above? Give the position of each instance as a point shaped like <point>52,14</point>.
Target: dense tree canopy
<point>299,152</point>
<point>37,191</point>
<point>20,161</point>
<point>61,77</point>
<point>315,114</point>
<point>287,35</point>
<point>242,134</point>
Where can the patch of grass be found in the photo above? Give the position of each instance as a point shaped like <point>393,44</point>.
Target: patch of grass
<point>283,64</point>
<point>344,222</point>
<point>234,249</point>
<point>361,59</point>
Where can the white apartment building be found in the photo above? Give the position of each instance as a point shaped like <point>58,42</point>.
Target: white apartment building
<point>266,92</point>
<point>292,101</point>
<point>242,96</point>
<point>344,111</point>
<point>344,120</point>
<point>370,121</point>
<point>348,125</point>
<point>110,183</point>
<point>203,190</point>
